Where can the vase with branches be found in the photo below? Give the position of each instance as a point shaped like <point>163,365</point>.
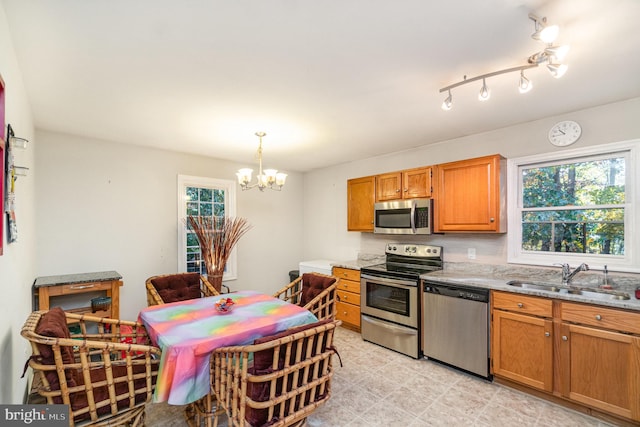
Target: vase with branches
<point>217,237</point>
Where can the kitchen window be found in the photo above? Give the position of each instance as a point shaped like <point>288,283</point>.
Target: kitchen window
<point>575,206</point>
<point>201,196</point>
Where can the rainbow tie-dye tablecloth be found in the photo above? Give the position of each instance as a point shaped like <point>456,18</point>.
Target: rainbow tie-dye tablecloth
<point>188,331</point>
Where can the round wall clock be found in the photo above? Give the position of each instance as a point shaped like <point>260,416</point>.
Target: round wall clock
<point>564,133</point>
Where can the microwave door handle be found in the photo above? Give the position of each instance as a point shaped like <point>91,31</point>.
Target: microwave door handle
<point>413,216</point>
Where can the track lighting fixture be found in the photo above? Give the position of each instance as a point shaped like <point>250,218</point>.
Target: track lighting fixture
<point>551,56</point>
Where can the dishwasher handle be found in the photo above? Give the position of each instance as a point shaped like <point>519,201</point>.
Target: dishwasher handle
<point>453,291</point>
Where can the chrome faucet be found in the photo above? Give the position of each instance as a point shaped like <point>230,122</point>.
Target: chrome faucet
<point>567,274</point>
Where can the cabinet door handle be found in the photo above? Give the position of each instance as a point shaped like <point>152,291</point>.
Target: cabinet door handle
<point>397,190</point>
<point>492,220</point>
<point>598,317</point>
<point>564,338</point>
<point>547,334</point>
<point>81,287</point>
<point>520,305</point>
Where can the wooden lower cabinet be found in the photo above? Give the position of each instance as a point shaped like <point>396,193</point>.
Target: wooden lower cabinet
<point>600,368</point>
<point>522,345</point>
<point>585,354</point>
<point>348,304</point>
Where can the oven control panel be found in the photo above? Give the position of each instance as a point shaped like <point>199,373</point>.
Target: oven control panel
<point>413,250</point>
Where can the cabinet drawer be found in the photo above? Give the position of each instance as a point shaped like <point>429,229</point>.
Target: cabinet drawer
<point>347,273</point>
<point>349,297</point>
<point>75,288</point>
<point>608,318</point>
<point>348,313</point>
<point>349,286</point>
<point>523,304</point>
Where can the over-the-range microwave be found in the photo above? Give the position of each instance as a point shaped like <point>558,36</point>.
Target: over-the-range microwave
<point>403,217</point>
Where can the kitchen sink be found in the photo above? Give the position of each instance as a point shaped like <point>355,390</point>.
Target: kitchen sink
<point>596,294</point>
<point>534,286</point>
<point>600,294</point>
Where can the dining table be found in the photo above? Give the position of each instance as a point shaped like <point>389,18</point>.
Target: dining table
<point>189,331</point>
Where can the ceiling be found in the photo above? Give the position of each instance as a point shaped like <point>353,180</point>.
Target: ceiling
<point>328,81</point>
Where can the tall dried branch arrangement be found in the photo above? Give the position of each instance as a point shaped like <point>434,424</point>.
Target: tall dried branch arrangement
<point>217,238</point>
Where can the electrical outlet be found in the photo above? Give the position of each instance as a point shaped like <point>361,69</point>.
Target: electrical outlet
<point>471,253</point>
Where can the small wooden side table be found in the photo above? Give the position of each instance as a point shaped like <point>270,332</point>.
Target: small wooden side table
<point>48,289</point>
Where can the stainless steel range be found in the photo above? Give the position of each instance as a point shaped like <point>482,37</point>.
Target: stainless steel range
<point>390,296</point>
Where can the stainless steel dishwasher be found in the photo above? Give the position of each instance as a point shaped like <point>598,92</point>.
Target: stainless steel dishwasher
<point>455,327</point>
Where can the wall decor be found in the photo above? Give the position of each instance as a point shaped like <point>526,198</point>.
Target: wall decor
<point>2,169</point>
<point>10,181</point>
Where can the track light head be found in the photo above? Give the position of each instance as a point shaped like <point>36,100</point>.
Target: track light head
<point>557,52</point>
<point>557,70</point>
<point>484,91</point>
<point>543,32</point>
<point>525,84</point>
<point>446,104</point>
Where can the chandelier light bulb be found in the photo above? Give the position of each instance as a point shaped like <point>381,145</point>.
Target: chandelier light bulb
<point>446,105</point>
<point>525,84</point>
<point>484,91</point>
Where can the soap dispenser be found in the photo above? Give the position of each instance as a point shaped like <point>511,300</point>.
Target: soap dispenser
<point>605,279</point>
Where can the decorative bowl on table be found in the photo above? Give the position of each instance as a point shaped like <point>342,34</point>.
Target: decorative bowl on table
<point>100,304</point>
<point>223,305</point>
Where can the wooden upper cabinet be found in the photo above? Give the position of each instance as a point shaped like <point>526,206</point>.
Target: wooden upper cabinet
<point>471,195</point>
<point>360,200</point>
<point>407,184</point>
<point>389,186</point>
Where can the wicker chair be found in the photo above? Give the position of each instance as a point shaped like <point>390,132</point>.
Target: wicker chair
<point>105,372</point>
<point>277,381</point>
<point>314,291</point>
<point>174,287</point>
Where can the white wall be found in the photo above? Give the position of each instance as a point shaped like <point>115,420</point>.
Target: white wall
<point>325,202</point>
<point>17,265</point>
<point>109,206</point>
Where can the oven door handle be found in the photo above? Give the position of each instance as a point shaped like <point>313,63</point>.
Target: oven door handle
<point>391,327</point>
<point>388,281</point>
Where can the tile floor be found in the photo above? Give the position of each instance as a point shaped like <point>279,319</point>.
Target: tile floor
<point>378,387</point>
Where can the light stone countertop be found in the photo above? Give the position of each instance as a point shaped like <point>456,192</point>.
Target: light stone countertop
<point>361,262</point>
<point>65,279</point>
<point>498,281</point>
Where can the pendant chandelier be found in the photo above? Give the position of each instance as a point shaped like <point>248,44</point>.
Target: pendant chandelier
<point>269,178</point>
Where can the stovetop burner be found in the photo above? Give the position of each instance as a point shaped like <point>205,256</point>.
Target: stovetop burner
<point>407,261</point>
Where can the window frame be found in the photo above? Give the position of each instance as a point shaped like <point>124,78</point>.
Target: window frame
<point>229,187</point>
<point>630,261</point>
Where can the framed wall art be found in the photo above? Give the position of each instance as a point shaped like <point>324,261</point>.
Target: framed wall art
<point>3,146</point>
